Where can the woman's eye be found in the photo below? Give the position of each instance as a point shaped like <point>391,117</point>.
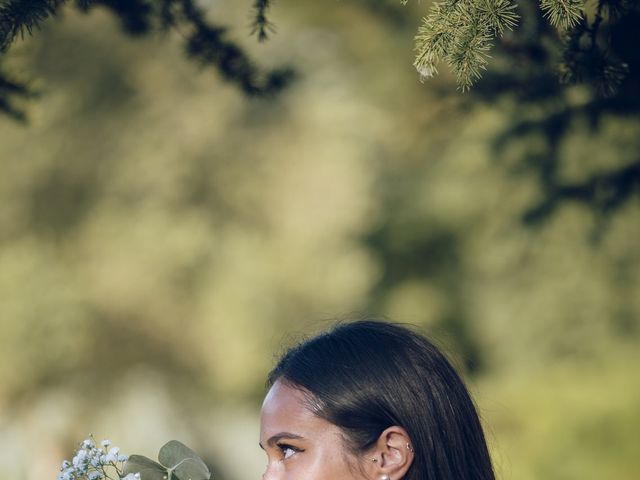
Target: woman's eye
<point>288,450</point>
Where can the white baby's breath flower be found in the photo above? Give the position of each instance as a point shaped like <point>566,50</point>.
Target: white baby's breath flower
<point>80,458</point>
<point>112,456</point>
<point>88,443</point>
<point>93,463</point>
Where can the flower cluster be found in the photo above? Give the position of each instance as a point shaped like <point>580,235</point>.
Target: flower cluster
<point>91,462</point>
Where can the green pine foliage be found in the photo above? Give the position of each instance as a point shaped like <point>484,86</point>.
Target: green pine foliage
<point>18,16</point>
<point>461,33</point>
<point>563,14</point>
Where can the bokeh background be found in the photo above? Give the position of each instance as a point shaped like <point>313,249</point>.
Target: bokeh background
<point>163,237</point>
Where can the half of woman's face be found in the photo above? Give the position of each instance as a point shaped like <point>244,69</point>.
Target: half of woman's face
<point>299,445</point>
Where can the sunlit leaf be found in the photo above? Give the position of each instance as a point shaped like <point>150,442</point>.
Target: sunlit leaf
<point>183,462</point>
<point>177,462</point>
<point>147,468</point>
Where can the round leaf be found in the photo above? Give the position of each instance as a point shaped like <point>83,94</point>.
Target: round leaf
<point>148,469</point>
<point>184,463</point>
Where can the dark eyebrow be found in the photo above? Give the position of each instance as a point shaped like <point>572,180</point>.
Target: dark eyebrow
<point>280,436</point>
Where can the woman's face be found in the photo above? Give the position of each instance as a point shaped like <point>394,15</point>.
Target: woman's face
<point>299,445</point>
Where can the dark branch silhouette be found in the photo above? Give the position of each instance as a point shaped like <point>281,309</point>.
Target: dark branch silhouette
<point>205,42</point>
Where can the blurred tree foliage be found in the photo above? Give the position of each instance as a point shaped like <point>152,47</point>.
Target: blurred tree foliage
<point>546,131</point>
<point>204,41</point>
<point>583,44</point>
<point>158,236</point>
<point>458,31</point>
<point>599,70</point>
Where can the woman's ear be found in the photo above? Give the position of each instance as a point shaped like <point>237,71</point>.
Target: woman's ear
<point>392,455</point>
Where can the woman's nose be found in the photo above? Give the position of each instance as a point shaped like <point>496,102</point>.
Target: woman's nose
<point>272,472</point>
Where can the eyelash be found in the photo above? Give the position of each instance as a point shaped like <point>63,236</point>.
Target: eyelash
<point>285,446</point>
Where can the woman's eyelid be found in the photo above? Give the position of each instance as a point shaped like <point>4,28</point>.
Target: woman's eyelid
<point>285,446</point>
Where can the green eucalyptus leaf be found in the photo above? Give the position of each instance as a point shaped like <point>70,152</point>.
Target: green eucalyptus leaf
<point>182,462</point>
<point>148,469</point>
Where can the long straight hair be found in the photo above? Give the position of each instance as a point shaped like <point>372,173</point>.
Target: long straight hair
<point>366,376</point>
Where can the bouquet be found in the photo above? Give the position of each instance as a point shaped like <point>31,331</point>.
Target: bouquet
<point>176,461</point>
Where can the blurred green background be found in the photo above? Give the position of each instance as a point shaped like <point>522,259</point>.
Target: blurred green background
<point>163,237</point>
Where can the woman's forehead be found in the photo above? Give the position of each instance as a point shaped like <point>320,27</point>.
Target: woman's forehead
<point>285,410</point>
<point>284,402</point>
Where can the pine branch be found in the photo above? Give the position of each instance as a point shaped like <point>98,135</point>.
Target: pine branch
<point>563,14</point>
<point>434,39</point>
<point>84,4</point>
<point>10,89</point>
<point>469,58</point>
<point>136,16</point>
<point>208,45</point>
<point>500,14</point>
<point>167,13</point>
<point>461,33</point>
<point>603,192</point>
<point>614,9</point>
<point>597,22</point>
<point>586,58</point>
<point>205,42</point>
<point>18,16</point>
<point>261,25</point>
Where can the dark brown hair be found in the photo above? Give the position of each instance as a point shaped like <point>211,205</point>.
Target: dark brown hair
<point>366,376</point>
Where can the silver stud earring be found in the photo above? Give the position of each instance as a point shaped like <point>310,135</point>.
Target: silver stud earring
<point>385,477</point>
<point>374,460</point>
<point>409,447</point>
